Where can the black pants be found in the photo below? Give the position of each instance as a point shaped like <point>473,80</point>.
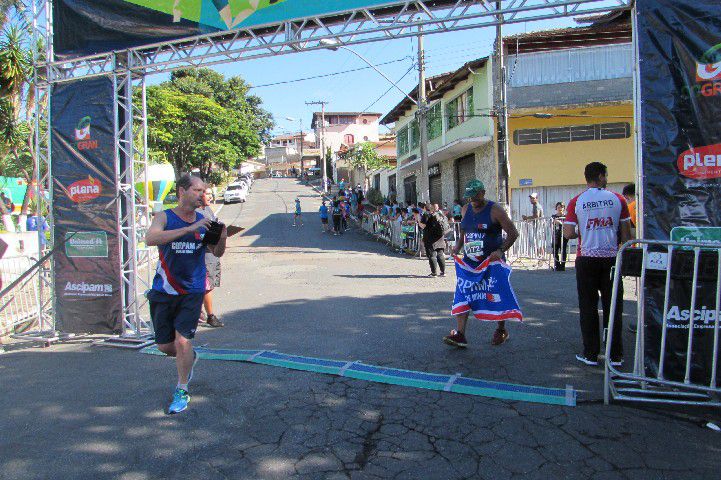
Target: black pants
<point>593,276</point>
<point>336,224</point>
<point>560,246</point>
<point>436,258</point>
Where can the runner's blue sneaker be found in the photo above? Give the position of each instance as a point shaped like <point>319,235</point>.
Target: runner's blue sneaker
<point>180,401</point>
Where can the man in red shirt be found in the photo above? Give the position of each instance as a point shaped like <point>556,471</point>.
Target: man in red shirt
<point>595,217</point>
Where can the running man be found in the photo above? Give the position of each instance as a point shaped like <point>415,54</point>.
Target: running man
<point>179,284</point>
<point>481,237</point>
<point>297,215</point>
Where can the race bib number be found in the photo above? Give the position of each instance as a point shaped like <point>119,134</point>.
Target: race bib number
<point>474,249</point>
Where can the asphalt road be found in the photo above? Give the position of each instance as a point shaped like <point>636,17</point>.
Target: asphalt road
<point>78,411</point>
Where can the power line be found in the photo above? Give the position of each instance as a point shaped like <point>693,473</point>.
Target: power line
<point>325,75</point>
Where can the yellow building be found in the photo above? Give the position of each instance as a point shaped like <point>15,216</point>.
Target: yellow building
<point>570,95</point>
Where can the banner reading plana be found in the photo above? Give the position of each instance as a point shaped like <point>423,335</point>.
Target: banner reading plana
<point>87,269</point>
<point>85,27</point>
<point>680,61</point>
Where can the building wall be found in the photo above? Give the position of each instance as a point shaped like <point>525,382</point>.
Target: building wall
<point>334,134</point>
<point>476,126</point>
<point>487,169</point>
<point>563,163</point>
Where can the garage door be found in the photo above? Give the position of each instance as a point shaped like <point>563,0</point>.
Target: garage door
<point>465,172</point>
<point>436,189</point>
<point>409,187</point>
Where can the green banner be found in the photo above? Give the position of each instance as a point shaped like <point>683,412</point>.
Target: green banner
<point>86,244</point>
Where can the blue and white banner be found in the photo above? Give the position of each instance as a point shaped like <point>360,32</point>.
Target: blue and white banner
<point>485,291</point>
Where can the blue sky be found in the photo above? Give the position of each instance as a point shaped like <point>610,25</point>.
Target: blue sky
<point>356,91</point>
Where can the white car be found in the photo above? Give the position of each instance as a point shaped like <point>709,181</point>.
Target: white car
<point>236,192</point>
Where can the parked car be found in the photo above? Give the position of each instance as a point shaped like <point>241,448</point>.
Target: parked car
<point>236,192</point>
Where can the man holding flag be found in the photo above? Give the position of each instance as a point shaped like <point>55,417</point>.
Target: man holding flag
<point>482,283</point>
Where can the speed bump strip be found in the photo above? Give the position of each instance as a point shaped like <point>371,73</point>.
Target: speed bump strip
<point>395,376</point>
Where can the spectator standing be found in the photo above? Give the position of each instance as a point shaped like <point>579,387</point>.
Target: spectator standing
<point>560,243</point>
<point>629,194</point>
<point>457,210</point>
<point>35,223</point>
<point>212,267</point>
<point>534,218</point>
<point>595,217</point>
<point>337,214</point>
<point>176,297</point>
<point>9,205</point>
<point>481,237</point>
<point>323,211</point>
<point>434,226</point>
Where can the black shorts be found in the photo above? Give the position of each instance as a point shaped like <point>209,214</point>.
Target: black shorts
<point>324,220</point>
<point>171,313</point>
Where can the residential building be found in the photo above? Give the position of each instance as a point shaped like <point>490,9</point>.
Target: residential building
<point>286,149</point>
<point>344,129</point>
<point>460,135</point>
<point>570,97</point>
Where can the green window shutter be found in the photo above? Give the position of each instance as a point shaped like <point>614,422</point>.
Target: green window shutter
<point>402,141</point>
<point>452,113</point>
<point>435,122</point>
<point>415,134</point>
<point>470,110</point>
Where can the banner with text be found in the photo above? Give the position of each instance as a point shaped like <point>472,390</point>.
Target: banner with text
<point>680,62</point>
<point>85,27</point>
<point>87,265</point>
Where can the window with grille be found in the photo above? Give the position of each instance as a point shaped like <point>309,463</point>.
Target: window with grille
<point>573,133</point>
<point>402,141</point>
<point>415,134</point>
<point>348,139</point>
<point>460,108</point>
<point>435,121</point>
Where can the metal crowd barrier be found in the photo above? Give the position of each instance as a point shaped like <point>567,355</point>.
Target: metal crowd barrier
<point>682,272</point>
<point>25,307</point>
<point>405,239</point>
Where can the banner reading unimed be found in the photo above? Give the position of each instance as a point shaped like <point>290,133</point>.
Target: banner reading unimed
<point>85,210</point>
<point>680,61</point>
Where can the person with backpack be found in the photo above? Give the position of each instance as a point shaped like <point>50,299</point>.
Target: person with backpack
<point>435,227</point>
<point>337,215</point>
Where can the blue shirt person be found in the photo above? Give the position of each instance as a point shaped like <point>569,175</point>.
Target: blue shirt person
<point>35,223</point>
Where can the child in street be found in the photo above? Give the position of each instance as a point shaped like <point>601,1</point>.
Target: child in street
<point>297,215</point>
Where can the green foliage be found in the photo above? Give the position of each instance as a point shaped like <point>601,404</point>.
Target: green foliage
<point>200,120</point>
<point>365,155</point>
<point>374,196</point>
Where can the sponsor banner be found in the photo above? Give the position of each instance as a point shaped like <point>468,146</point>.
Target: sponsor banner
<point>85,27</point>
<point>87,269</point>
<point>86,244</point>
<point>680,68</point>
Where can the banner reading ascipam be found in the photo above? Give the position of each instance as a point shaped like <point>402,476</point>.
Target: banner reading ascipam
<point>680,53</point>
<point>84,27</point>
<point>87,266</point>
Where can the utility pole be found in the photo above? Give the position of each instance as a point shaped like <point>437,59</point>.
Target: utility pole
<point>422,117</point>
<point>501,91</point>
<point>321,143</point>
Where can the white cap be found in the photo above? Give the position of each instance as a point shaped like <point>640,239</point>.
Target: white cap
<point>534,195</point>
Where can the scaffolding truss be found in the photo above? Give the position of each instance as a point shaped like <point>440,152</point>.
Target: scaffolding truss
<point>128,69</point>
<point>397,19</point>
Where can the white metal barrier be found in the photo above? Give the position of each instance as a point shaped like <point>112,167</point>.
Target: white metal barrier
<point>404,238</point>
<point>24,308</point>
<point>671,268</point>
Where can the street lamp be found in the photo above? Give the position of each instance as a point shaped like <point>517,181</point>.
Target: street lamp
<point>332,44</point>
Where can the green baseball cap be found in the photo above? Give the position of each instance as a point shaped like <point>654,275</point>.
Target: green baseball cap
<point>473,188</point>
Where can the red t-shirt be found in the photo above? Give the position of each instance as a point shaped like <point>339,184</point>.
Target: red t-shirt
<point>598,214</point>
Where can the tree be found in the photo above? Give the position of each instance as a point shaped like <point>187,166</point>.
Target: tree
<point>366,157</point>
<point>198,120</point>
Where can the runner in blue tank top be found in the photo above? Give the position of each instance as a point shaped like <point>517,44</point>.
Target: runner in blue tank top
<point>179,284</point>
<point>481,237</point>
